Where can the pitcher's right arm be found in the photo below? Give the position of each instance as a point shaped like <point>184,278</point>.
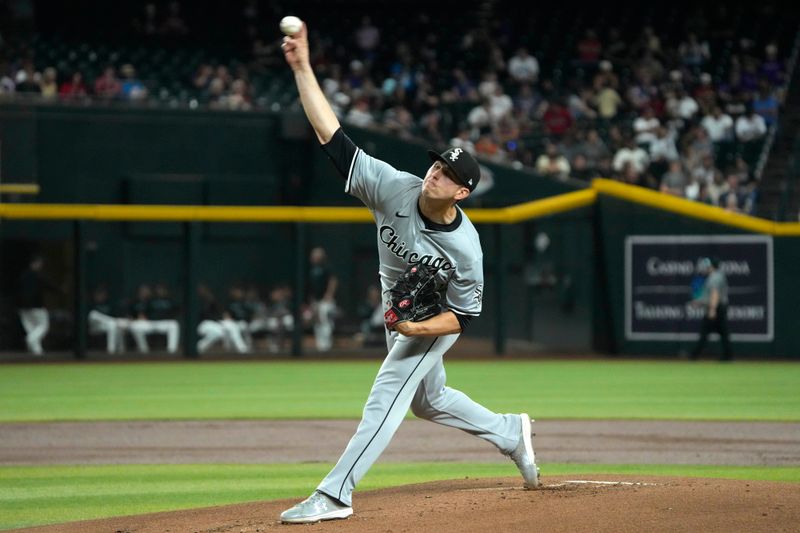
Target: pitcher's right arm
<point>315,105</point>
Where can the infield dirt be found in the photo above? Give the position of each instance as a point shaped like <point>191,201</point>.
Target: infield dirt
<point>500,504</point>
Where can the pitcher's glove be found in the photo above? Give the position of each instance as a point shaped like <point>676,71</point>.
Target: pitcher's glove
<point>417,295</point>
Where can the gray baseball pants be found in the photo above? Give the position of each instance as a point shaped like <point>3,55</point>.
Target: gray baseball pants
<point>412,375</point>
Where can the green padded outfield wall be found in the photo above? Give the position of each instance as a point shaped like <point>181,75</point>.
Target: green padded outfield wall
<point>124,155</point>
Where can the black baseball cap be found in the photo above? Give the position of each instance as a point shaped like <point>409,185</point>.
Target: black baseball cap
<point>463,165</point>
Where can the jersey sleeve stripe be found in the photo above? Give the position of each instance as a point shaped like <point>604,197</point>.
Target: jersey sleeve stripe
<point>350,172</point>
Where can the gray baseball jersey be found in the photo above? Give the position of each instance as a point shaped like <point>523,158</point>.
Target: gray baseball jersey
<point>412,375</point>
<point>404,237</point>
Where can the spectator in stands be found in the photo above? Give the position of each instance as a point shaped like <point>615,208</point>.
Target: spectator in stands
<point>662,150</point>
<point>649,42</point>
<point>580,104</point>
<point>693,188</point>
<point>102,320</point>
<point>431,128</point>
<point>30,302</point>
<point>705,94</point>
<point>367,37</point>
<point>632,155</point>
<point>73,88</point>
<point>718,125</point>
<point>480,117</point>
<point>399,121</point>
<point>605,77</point>
<point>642,94</point>
<point>608,101</point>
<point>553,163</point>
<point>705,172</point>
<point>174,25</point>
<point>360,114</point>
<point>697,146</point>
<point>773,69</point>
<point>27,79</point>
<point>750,127</point>
<point>147,23</point>
<point>617,50</point>
<point>107,85</point>
<point>557,119</point>
<point>766,105</point>
<point>593,149</point>
<point>733,198</point>
<point>526,103</point>
<point>7,84</point>
<point>570,144</point>
<point>732,86</point>
<point>741,169</point>
<point>674,181</point>
<point>687,107</point>
<point>49,84</point>
<point>322,285</point>
<point>239,97</point>
<point>580,169</point>
<point>717,187</point>
<point>616,138</point>
<point>500,105</point>
<point>487,146</point>
<point>748,79</point>
<point>488,85</point>
<point>630,175</point>
<point>131,88</point>
<point>463,88</point>
<point>590,49</point>
<point>462,140</point>
<point>694,52</point>
<point>605,167</point>
<point>645,127</point>
<point>203,76</point>
<point>523,67</point>
<point>734,105</point>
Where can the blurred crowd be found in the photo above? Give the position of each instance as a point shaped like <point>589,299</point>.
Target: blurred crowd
<point>638,107</point>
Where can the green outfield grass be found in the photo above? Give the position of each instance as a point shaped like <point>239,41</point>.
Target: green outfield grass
<point>237,390</point>
<point>52,494</point>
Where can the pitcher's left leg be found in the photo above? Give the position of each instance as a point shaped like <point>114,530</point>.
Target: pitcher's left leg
<point>409,360</point>
<point>444,405</point>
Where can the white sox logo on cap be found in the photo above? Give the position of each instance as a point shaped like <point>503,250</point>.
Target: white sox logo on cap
<point>466,169</point>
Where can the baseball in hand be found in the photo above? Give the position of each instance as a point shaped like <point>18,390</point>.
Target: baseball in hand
<point>291,25</point>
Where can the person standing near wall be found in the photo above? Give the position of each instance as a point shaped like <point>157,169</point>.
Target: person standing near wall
<point>322,291</point>
<point>714,298</point>
<point>30,301</point>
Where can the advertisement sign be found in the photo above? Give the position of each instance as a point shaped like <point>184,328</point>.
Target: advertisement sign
<point>662,278</point>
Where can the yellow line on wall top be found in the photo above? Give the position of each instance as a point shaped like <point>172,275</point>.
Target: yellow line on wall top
<point>288,214</point>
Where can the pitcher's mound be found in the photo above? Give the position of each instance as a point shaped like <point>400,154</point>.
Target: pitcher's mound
<point>564,503</point>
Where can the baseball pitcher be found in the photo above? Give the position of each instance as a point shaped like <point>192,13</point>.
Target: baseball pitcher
<point>431,272</point>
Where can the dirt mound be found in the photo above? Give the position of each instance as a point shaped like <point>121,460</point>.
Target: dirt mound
<point>593,503</point>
